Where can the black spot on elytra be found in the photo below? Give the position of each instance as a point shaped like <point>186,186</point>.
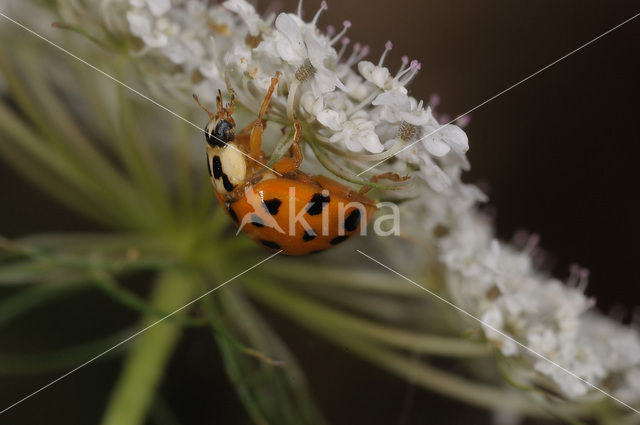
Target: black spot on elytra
<point>352,221</point>
<point>338,239</point>
<point>272,205</point>
<point>209,166</point>
<point>270,244</point>
<point>232,213</point>
<point>317,203</point>
<point>257,221</point>
<point>309,235</point>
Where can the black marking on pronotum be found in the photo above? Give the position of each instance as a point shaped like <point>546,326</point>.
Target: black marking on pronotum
<point>257,221</point>
<point>270,244</point>
<point>232,213</point>
<point>217,167</point>
<point>272,205</point>
<point>309,235</point>
<point>209,166</point>
<point>352,221</point>
<point>338,239</point>
<point>317,203</point>
<point>226,183</point>
<point>218,173</point>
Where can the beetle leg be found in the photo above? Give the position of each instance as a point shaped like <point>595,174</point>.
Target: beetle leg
<point>255,141</point>
<point>384,176</point>
<point>290,164</point>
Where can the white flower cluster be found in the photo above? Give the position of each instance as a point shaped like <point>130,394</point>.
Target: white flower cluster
<point>499,284</point>
<point>360,111</point>
<point>344,102</point>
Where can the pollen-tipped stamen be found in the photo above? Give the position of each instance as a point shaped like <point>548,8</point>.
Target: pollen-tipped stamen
<point>323,6</point>
<point>414,67</point>
<point>345,42</point>
<point>434,100</point>
<point>331,30</point>
<point>387,48</point>
<point>404,62</point>
<point>404,68</point>
<point>359,52</point>
<point>345,26</point>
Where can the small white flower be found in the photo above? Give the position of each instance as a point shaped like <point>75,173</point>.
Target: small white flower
<point>492,322</point>
<point>300,46</point>
<point>378,75</point>
<point>156,7</point>
<point>442,139</point>
<point>358,133</point>
<point>248,14</point>
<point>398,107</point>
<point>334,120</point>
<point>142,25</point>
<point>311,104</point>
<point>355,87</point>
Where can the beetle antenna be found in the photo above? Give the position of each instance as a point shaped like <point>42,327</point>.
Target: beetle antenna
<point>232,102</point>
<point>232,94</point>
<point>211,116</point>
<point>219,101</point>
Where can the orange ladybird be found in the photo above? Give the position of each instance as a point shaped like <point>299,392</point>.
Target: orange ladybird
<point>282,208</point>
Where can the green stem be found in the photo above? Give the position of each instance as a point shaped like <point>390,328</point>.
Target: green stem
<point>359,279</point>
<point>145,364</point>
<point>52,361</point>
<point>111,287</point>
<point>314,314</point>
<point>25,301</point>
<point>456,387</point>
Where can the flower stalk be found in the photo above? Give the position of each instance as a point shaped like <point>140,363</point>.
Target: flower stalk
<point>147,360</point>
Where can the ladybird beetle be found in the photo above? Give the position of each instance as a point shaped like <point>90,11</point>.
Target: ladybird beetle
<point>282,208</point>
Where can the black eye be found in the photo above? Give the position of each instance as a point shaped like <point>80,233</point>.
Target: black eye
<point>221,135</point>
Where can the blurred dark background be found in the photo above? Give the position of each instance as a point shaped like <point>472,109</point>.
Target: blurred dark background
<point>558,153</point>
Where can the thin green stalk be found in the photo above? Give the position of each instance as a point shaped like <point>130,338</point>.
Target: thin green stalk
<point>143,369</point>
<point>111,287</point>
<point>52,361</point>
<point>363,328</point>
<point>135,151</point>
<point>284,375</point>
<point>21,137</point>
<point>181,153</point>
<point>426,376</point>
<point>228,351</point>
<point>81,167</point>
<point>341,277</point>
<point>70,136</point>
<point>27,300</point>
<point>46,180</point>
